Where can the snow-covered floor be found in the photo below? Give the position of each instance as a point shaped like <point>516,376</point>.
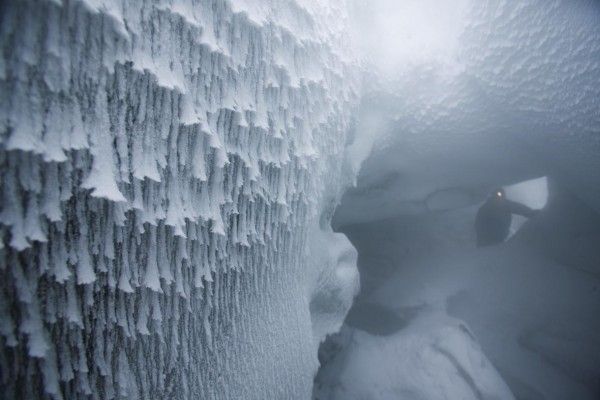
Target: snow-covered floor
<point>465,323</point>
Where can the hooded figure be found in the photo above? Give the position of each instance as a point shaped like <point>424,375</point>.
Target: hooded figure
<point>492,223</point>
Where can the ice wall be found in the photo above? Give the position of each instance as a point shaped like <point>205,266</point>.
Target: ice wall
<point>513,96</point>
<point>161,165</point>
<point>531,304</point>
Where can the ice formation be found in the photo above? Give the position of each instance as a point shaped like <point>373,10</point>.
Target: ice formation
<point>169,170</point>
<point>517,98</point>
<point>435,357</point>
<point>162,164</point>
<point>455,321</point>
<point>509,92</point>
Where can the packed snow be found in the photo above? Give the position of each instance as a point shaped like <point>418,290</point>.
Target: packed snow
<point>435,357</point>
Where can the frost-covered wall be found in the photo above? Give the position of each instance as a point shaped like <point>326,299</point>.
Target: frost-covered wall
<point>499,93</point>
<point>161,165</point>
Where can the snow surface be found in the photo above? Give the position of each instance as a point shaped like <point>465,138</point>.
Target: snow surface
<point>436,357</point>
<point>517,319</point>
<point>162,166</point>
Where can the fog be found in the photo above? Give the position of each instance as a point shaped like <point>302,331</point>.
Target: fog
<point>465,97</point>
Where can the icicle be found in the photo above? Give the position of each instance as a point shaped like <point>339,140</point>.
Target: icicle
<point>101,179</point>
<point>127,206</point>
<point>162,257</point>
<point>151,277</point>
<point>7,325</point>
<point>73,310</point>
<point>51,375</point>
<point>142,314</point>
<point>51,194</point>
<point>85,270</point>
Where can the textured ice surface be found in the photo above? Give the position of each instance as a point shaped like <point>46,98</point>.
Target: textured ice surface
<point>532,304</point>
<point>518,98</point>
<point>162,164</point>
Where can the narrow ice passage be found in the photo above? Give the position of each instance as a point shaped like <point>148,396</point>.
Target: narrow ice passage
<point>499,98</point>
<point>439,318</point>
<point>171,172</point>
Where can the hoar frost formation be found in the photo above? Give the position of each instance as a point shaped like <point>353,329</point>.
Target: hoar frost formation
<point>170,168</point>
<point>162,164</point>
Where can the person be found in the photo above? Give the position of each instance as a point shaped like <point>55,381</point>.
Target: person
<point>492,223</point>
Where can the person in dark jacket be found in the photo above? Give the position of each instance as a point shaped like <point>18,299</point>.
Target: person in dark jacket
<point>492,223</point>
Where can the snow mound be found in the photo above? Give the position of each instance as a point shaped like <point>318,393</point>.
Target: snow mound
<point>435,357</point>
<point>517,99</point>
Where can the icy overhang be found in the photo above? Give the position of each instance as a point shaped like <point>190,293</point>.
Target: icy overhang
<point>519,97</point>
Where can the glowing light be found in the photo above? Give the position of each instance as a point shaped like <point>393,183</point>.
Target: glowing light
<point>396,36</point>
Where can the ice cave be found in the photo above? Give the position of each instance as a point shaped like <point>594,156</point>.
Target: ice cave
<point>300,199</point>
